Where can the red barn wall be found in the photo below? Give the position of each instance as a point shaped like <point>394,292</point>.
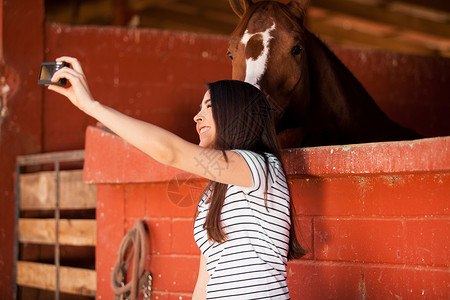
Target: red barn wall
<point>374,218</point>
<point>22,50</point>
<point>159,77</point>
<point>347,219</point>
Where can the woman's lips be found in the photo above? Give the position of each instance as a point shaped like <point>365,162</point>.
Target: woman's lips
<point>203,129</point>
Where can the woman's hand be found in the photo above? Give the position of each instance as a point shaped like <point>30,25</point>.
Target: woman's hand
<point>78,91</point>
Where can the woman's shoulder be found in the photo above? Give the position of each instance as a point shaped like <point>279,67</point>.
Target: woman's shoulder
<point>252,155</point>
<point>267,171</point>
<point>259,161</point>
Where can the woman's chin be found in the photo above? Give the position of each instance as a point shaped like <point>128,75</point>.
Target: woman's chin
<point>205,144</point>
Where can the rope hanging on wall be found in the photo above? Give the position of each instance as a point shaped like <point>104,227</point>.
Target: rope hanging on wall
<point>133,245</point>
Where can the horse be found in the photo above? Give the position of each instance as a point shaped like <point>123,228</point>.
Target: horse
<point>316,100</point>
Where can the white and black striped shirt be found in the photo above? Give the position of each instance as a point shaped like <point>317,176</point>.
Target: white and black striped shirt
<point>251,264</point>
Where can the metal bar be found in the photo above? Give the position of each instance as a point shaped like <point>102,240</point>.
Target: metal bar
<point>42,158</point>
<point>57,216</point>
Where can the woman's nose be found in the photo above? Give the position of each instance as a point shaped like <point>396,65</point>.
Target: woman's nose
<point>198,117</point>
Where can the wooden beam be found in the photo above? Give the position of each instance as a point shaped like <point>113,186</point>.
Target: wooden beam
<point>415,26</point>
<point>442,5</point>
<point>389,13</point>
<point>37,191</point>
<point>99,11</point>
<point>138,5</point>
<point>43,276</point>
<point>175,20</point>
<point>71,232</point>
<point>348,30</point>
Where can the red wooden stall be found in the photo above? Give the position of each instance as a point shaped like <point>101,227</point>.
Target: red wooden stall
<point>369,213</point>
<point>375,217</point>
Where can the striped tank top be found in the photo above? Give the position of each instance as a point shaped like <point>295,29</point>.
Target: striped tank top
<point>251,263</point>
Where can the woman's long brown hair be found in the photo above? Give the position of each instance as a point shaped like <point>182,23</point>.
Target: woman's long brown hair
<point>244,121</point>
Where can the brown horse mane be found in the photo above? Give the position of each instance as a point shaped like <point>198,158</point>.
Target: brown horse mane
<point>334,60</point>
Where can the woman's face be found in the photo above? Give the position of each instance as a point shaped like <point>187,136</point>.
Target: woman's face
<point>206,126</point>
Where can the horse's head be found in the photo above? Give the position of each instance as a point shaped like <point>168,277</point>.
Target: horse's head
<point>267,50</point>
<point>316,99</point>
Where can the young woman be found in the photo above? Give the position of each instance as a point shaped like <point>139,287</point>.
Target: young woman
<point>244,227</point>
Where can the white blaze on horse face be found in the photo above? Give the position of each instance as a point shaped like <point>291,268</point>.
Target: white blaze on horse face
<point>255,68</point>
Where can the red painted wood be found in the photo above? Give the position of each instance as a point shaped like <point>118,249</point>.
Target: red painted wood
<point>129,69</point>
<point>425,155</point>
<point>405,282</point>
<point>347,280</point>
<point>130,168</point>
<point>418,194</point>
<point>159,76</point>
<point>368,214</point>
<point>182,241</point>
<point>156,76</point>
<point>359,239</point>
<point>324,280</point>
<point>20,130</point>
<point>174,273</point>
<point>110,231</point>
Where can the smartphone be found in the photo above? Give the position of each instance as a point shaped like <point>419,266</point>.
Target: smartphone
<point>47,71</point>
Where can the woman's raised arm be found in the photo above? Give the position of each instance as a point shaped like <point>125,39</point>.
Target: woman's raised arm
<point>157,142</point>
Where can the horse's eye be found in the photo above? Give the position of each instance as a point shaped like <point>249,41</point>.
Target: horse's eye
<point>230,55</point>
<point>296,50</point>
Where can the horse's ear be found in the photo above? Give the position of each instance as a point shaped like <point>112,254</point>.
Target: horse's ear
<point>298,7</point>
<point>240,6</point>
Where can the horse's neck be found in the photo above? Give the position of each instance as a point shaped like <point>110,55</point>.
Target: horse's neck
<point>332,82</point>
<point>338,101</point>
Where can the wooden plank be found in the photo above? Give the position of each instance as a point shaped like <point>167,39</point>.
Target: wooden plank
<point>386,13</point>
<point>138,5</point>
<point>43,276</point>
<point>51,157</point>
<point>436,4</point>
<point>71,232</point>
<point>345,30</point>
<point>37,191</point>
<point>175,20</point>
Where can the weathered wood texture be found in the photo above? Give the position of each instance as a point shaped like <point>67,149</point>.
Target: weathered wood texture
<point>71,232</point>
<point>408,26</point>
<point>43,276</point>
<point>38,191</point>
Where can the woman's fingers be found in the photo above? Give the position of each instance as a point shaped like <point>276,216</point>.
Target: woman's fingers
<point>78,90</point>
<point>68,93</point>
<point>73,61</point>
<point>69,74</point>
<point>77,81</point>
<point>59,89</point>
